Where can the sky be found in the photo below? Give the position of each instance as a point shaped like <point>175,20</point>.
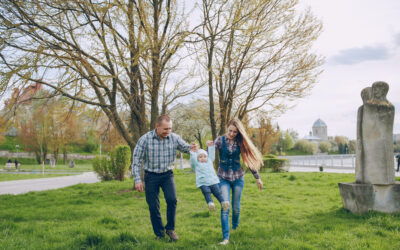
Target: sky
<point>361,45</point>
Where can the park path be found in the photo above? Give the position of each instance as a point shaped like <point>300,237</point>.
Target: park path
<point>25,186</point>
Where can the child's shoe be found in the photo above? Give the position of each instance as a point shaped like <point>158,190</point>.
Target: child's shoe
<point>211,206</point>
<point>225,205</point>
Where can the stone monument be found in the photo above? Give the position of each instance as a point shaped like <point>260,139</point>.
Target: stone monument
<point>375,187</point>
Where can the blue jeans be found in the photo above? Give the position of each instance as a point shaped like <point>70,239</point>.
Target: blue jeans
<point>153,182</point>
<point>215,190</point>
<point>237,188</point>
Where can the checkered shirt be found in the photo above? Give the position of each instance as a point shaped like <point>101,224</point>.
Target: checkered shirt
<point>157,155</point>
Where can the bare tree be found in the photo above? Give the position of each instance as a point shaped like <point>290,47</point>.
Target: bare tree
<point>111,54</point>
<point>257,55</point>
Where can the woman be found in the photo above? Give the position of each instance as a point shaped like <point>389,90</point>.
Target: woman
<point>231,146</point>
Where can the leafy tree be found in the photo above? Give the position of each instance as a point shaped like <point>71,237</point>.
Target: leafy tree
<point>115,55</point>
<point>2,129</point>
<point>306,147</point>
<point>342,143</point>
<point>191,120</point>
<point>255,55</point>
<point>265,135</point>
<point>325,146</point>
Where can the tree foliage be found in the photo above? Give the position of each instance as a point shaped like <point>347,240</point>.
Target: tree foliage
<point>265,135</point>
<point>256,55</point>
<point>325,146</point>
<point>191,120</point>
<point>116,55</point>
<point>306,147</point>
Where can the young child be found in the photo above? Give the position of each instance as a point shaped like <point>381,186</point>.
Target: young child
<point>206,179</point>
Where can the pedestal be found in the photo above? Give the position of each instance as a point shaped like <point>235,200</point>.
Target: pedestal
<point>361,198</point>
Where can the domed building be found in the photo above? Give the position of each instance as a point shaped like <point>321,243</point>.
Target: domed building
<point>319,132</point>
<point>320,129</point>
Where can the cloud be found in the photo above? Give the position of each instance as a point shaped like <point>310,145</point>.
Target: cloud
<point>357,55</point>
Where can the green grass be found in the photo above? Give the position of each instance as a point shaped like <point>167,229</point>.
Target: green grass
<point>293,211</point>
<point>60,167</point>
<point>32,161</point>
<point>13,177</point>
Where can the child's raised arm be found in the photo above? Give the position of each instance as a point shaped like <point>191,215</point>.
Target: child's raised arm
<point>193,159</point>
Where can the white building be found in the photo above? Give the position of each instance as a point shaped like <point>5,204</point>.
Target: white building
<point>319,132</point>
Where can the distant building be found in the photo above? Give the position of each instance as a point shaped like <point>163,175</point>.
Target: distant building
<point>319,132</point>
<point>320,129</point>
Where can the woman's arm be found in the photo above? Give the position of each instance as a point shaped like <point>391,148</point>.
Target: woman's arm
<point>257,176</point>
<point>211,150</point>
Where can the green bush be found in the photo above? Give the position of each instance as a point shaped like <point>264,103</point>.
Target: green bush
<point>101,165</point>
<point>120,159</point>
<point>306,147</point>
<point>116,166</point>
<point>275,164</point>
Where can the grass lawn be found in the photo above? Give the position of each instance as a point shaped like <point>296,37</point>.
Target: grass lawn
<point>38,167</point>
<point>13,177</point>
<point>294,211</point>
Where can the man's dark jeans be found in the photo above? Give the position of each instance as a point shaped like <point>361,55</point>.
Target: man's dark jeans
<point>153,182</point>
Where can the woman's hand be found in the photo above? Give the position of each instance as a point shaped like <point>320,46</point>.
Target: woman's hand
<point>259,184</point>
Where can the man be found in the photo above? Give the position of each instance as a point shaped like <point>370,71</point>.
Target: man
<point>157,151</point>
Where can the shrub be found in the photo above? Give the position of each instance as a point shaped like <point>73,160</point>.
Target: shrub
<point>276,164</point>
<point>101,165</point>
<point>324,147</point>
<point>120,158</point>
<point>306,147</point>
<point>114,168</point>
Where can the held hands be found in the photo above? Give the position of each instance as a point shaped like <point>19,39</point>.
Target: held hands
<point>194,147</point>
<point>210,143</point>
<point>259,184</point>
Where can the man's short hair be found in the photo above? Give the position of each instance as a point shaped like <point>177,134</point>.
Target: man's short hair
<point>163,118</point>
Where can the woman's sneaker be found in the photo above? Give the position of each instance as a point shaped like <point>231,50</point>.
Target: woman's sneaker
<point>224,242</point>
<point>211,206</point>
<point>225,205</point>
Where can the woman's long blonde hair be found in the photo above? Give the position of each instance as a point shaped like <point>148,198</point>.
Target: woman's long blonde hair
<point>250,154</point>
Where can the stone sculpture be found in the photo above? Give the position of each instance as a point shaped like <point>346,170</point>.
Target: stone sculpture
<point>375,187</point>
<point>374,156</point>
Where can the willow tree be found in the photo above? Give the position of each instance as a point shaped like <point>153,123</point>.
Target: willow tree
<point>112,54</point>
<point>256,55</point>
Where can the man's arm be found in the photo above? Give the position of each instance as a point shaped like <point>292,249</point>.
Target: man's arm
<point>182,145</point>
<point>137,158</point>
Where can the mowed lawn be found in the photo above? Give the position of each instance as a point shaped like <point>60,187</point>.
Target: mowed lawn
<point>293,211</point>
<point>13,177</point>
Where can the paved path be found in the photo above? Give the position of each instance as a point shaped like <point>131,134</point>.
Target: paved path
<point>25,186</point>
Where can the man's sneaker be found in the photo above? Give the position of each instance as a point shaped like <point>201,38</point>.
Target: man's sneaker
<point>211,206</point>
<point>172,235</point>
<point>225,205</point>
<point>224,242</point>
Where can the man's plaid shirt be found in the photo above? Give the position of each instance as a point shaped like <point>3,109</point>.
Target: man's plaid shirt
<point>157,155</point>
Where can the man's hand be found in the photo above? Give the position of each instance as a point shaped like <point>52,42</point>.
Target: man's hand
<point>194,147</point>
<point>210,143</point>
<point>259,184</point>
<point>139,187</point>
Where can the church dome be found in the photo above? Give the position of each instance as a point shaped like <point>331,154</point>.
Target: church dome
<point>319,123</point>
